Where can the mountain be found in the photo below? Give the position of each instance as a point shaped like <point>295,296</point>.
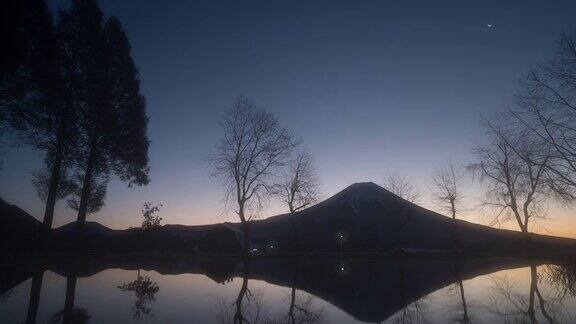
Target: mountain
<point>18,229</point>
<point>366,217</point>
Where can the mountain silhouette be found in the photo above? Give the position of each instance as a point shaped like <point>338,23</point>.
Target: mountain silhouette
<point>367,217</point>
<point>363,217</point>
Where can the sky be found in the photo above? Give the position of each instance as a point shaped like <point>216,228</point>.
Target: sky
<point>371,87</point>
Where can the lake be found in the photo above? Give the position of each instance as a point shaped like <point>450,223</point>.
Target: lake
<point>182,289</point>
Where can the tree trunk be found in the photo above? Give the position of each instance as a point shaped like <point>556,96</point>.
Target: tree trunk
<point>533,286</point>
<point>69,302</point>
<point>294,234</point>
<point>34,297</point>
<point>246,247</point>
<point>246,230</point>
<point>292,303</point>
<point>83,208</point>
<point>238,317</point>
<point>453,229</point>
<point>465,317</point>
<point>293,294</point>
<point>55,175</point>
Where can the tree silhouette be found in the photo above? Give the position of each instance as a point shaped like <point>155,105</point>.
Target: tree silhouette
<point>41,183</point>
<point>112,120</point>
<point>299,187</point>
<point>402,187</point>
<point>447,188</point>
<point>447,192</point>
<point>253,148</point>
<point>546,107</point>
<point>35,95</point>
<point>514,168</point>
<point>151,219</point>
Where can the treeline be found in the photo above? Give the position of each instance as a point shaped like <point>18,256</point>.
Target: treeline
<point>70,89</point>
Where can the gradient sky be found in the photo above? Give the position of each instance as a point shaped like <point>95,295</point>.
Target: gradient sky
<point>371,86</point>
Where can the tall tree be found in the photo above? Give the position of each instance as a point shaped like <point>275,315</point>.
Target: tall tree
<point>82,31</point>
<point>36,96</point>
<point>13,22</point>
<point>299,187</point>
<point>252,150</point>
<point>131,140</point>
<point>112,119</point>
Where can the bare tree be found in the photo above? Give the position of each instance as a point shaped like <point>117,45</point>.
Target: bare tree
<point>299,187</point>
<point>446,188</point>
<point>402,187</point>
<point>252,150</point>
<point>547,108</point>
<point>513,168</point>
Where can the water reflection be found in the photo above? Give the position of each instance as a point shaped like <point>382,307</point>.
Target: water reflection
<point>70,313</point>
<point>35,296</point>
<point>144,289</point>
<point>512,305</point>
<point>563,278</point>
<point>461,309</point>
<point>302,309</point>
<point>395,289</point>
<point>249,306</point>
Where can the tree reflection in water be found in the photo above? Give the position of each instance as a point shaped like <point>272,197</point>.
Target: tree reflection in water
<point>563,278</point>
<point>144,289</point>
<point>70,314</point>
<point>514,306</point>
<point>249,306</point>
<point>459,312</point>
<point>302,309</point>
<point>461,308</point>
<point>35,290</point>
<point>414,312</point>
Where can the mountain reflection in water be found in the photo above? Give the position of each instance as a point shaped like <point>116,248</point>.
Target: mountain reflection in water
<point>282,290</point>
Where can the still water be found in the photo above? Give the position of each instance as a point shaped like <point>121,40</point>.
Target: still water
<point>392,290</point>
